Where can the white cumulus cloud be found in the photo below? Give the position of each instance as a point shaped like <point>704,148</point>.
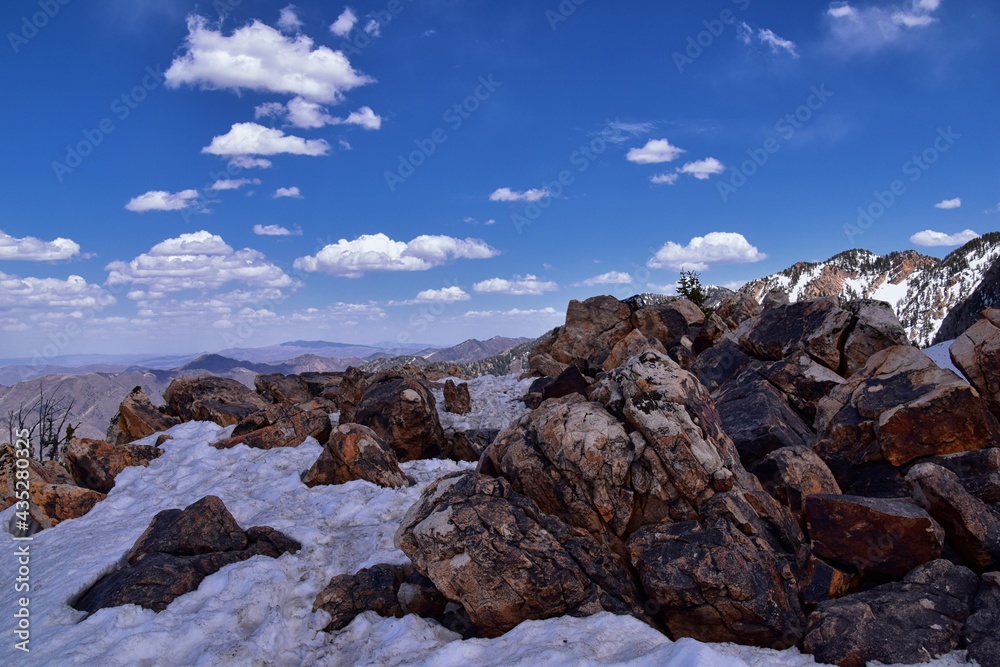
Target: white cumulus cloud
<point>949,203</point>
<point>233,183</point>
<point>704,251</point>
<point>444,295</point>
<point>345,23</point>
<point>289,20</point>
<point>528,285</point>
<point>506,194</point>
<point>609,278</point>
<point>300,112</point>
<point>655,151</point>
<point>703,169</point>
<point>254,139</point>
<point>161,200</point>
<point>32,249</point>
<point>931,238</point>
<point>198,260</point>
<point>275,230</point>
<point>258,57</point>
<point>292,192</point>
<point>73,294</point>
<point>378,252</point>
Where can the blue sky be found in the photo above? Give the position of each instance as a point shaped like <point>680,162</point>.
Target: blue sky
<point>186,176</point>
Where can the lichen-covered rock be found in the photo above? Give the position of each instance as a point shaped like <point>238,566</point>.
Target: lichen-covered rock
<point>635,343</point>
<point>355,452</point>
<point>715,584</point>
<point>573,459</point>
<point>592,328</point>
<point>52,504</point>
<point>906,622</point>
<point>668,322</point>
<point>493,551</point>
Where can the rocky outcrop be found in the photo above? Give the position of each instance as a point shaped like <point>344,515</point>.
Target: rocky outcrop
<point>909,622</point>
<point>668,322</point>
<point>898,407</point>
<point>278,388</point>
<point>403,412</point>
<point>874,535</point>
<point>493,551</point>
<point>94,464</point>
<point>635,343</point>
<point>715,584</point>
<point>138,418</point>
<point>570,381</point>
<point>352,388</point>
<point>816,327</point>
<point>355,452</point>
<point>593,327</point>
<point>456,398</point>
<point>874,327</point>
<point>223,401</point>
<point>178,550</point>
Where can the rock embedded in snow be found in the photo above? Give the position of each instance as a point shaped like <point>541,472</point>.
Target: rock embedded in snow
<point>355,452</point>
<point>94,464</point>
<point>289,430</point>
<point>52,504</point>
<point>369,589</point>
<point>907,622</point>
<point>175,554</point>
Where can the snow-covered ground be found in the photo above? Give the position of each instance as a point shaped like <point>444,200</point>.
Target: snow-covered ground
<point>495,402</point>
<point>259,612</point>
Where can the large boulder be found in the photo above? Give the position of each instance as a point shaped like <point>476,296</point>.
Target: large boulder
<point>94,464</point>
<point>802,381</point>
<point>715,584</point>
<point>493,551</point>
<point>972,527</point>
<point>592,328</point>
<point>352,388</point>
<point>403,412</point>
<point>175,554</point>
<point>51,504</point>
<point>874,327</point>
<point>355,452</point>
<point>635,343</point>
<point>209,398</point>
<point>758,418</point>
<point>977,354</point>
<point>816,327</point>
<point>720,364</point>
<point>288,430</point>
<point>370,589</point>
<point>137,418</point>
<point>875,535</point>
<point>573,459</point>
<point>982,631</point>
<point>906,622</point>
<point>978,471</point>
<point>898,407</point>
<point>737,308</point>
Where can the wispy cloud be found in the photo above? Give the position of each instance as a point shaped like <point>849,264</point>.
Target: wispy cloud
<point>528,285</point>
<point>948,204</point>
<point>508,195</point>
<point>276,230</point>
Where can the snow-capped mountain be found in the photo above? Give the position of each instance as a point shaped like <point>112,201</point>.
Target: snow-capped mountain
<point>926,292</point>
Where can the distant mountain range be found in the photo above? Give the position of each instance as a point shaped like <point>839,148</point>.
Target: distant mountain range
<point>935,299</point>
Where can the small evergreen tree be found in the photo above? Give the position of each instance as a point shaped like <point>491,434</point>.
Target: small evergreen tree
<point>689,287</point>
